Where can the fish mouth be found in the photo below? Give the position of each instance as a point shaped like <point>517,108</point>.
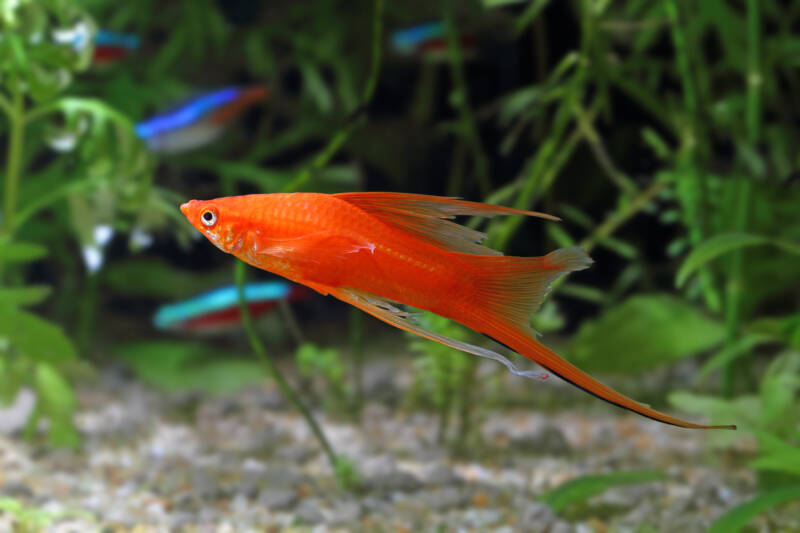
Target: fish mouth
<point>185,208</point>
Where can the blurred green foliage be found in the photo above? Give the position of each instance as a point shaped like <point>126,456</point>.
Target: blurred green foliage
<point>580,489</point>
<point>32,519</point>
<point>664,135</point>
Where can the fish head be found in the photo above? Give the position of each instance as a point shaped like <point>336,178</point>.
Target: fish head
<point>220,220</point>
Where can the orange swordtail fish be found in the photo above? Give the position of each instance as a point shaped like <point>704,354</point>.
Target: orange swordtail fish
<point>374,249</point>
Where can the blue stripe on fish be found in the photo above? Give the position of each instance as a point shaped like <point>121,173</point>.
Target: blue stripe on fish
<point>218,300</point>
<point>407,39</point>
<point>112,38</point>
<point>186,114</point>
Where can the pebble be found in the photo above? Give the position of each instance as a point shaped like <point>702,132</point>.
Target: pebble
<point>345,512</point>
<point>444,498</point>
<point>548,440</point>
<point>277,498</point>
<point>440,474</point>
<point>481,518</point>
<point>535,516</point>
<point>310,512</point>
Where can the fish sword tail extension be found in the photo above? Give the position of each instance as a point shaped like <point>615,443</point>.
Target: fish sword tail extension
<point>513,287</point>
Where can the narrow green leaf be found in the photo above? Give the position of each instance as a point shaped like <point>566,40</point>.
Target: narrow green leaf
<point>57,403</point>
<point>730,353</point>
<point>583,488</point>
<point>782,461</point>
<point>738,517</point>
<point>714,247</point>
<point>20,252</point>
<point>34,337</point>
<point>22,296</point>
<point>529,15</point>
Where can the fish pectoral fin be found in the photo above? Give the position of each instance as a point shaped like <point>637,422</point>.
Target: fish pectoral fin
<point>385,310</point>
<point>318,244</point>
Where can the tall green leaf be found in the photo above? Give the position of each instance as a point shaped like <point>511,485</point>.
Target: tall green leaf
<point>738,517</point>
<point>722,244</point>
<point>57,403</point>
<point>30,295</point>
<point>20,252</point>
<point>643,332</point>
<point>34,337</point>
<point>180,366</point>
<point>583,488</point>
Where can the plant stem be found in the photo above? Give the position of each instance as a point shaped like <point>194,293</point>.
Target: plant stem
<point>287,390</point>
<point>619,178</point>
<point>734,287</point>
<point>291,322</point>
<point>615,220</point>
<point>341,137</point>
<point>16,118</point>
<point>357,349</point>
<point>460,100</point>
<point>690,183</point>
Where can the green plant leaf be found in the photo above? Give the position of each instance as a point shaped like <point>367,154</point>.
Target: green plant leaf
<point>57,403</point>
<point>738,517</point>
<point>722,244</point>
<point>643,332</point>
<point>730,353</point>
<point>22,296</point>
<point>35,337</point>
<point>781,461</point>
<point>583,488</point>
<point>20,252</point>
<point>179,366</point>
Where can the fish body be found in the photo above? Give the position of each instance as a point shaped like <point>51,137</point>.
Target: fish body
<point>218,310</point>
<point>374,250</point>
<point>199,121</point>
<point>110,46</point>
<point>429,40</point>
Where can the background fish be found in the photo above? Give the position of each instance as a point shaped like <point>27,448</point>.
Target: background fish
<point>218,310</point>
<point>110,46</point>
<point>429,40</point>
<point>199,121</point>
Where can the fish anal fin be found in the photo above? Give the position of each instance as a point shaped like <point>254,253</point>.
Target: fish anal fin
<point>385,310</point>
<point>426,217</point>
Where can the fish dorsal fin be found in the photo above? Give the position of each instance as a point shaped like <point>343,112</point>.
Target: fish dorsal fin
<point>385,310</point>
<point>427,217</point>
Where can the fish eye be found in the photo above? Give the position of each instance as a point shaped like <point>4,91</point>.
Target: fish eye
<point>209,218</point>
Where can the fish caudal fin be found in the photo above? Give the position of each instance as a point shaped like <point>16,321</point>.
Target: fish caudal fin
<point>513,288</point>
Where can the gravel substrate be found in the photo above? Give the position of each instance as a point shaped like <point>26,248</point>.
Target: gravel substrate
<point>246,462</point>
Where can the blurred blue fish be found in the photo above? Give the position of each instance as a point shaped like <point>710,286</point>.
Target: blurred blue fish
<point>218,309</point>
<point>428,40</point>
<point>110,46</point>
<point>112,38</point>
<point>407,40</point>
<point>199,121</point>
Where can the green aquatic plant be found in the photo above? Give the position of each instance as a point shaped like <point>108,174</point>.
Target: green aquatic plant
<point>327,363</point>
<point>44,46</point>
<point>28,519</point>
<point>442,374</point>
<point>582,488</point>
